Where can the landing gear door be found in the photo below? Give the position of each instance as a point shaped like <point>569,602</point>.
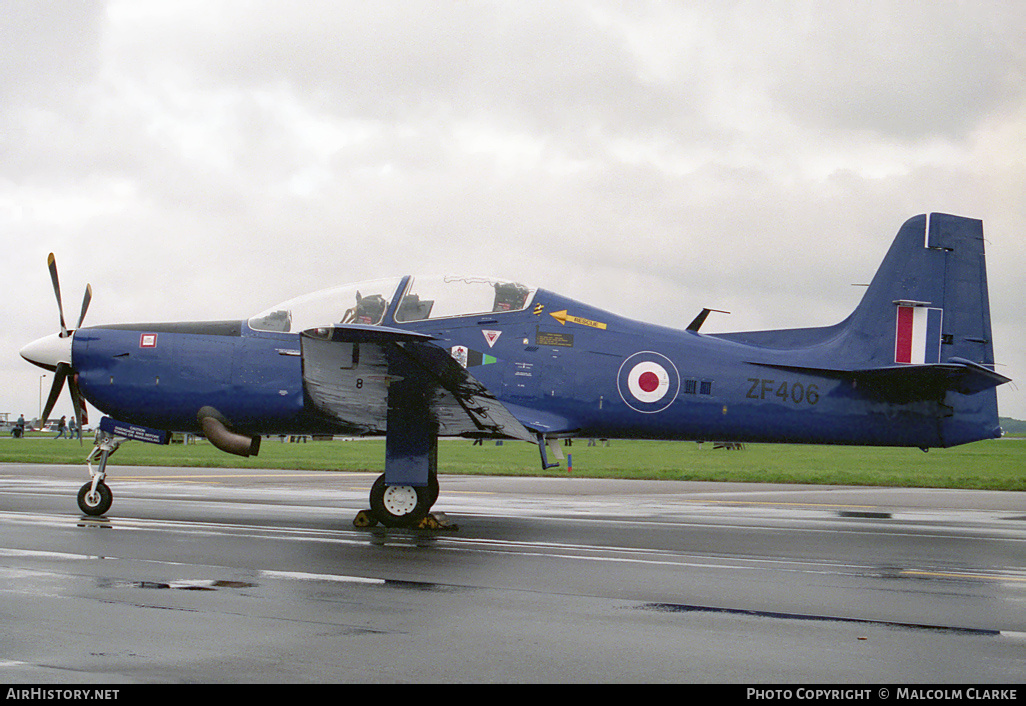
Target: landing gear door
<point>347,381</point>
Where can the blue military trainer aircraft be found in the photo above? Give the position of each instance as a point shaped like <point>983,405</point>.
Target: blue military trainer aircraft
<point>416,358</point>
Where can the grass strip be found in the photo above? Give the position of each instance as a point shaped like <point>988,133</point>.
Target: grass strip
<point>998,464</point>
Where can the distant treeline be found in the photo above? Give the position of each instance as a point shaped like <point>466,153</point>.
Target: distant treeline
<point>1013,426</point>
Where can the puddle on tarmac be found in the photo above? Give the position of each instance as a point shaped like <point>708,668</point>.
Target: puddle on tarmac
<point>203,585</point>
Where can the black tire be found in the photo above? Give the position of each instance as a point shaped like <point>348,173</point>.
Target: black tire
<point>432,490</point>
<point>98,505</point>
<point>399,505</point>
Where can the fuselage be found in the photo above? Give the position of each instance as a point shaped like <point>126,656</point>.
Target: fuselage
<point>562,367</point>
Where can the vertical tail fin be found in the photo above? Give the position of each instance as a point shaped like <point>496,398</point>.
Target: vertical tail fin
<point>928,302</point>
<point>918,345</point>
<point>928,305</point>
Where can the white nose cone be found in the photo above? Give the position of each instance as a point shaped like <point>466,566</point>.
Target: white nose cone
<point>48,351</point>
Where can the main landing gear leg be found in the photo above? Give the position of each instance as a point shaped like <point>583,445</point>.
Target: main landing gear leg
<point>95,498</point>
<point>403,496</point>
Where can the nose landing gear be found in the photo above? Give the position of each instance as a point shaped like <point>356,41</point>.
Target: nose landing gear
<point>95,497</point>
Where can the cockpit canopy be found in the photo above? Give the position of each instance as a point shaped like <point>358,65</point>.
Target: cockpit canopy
<point>421,298</point>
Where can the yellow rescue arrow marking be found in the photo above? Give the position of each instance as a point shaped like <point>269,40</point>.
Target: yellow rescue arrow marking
<point>562,317</point>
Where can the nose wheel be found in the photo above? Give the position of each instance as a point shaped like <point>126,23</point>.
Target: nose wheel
<point>95,501</point>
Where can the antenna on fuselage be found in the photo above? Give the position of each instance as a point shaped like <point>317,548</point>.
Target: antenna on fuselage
<point>700,319</point>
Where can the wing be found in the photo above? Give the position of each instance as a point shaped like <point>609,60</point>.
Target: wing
<point>353,374</point>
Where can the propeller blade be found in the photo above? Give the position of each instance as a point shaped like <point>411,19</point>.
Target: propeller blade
<point>55,390</point>
<point>51,262</point>
<point>77,401</point>
<point>85,304</point>
<point>64,371</point>
<point>76,395</point>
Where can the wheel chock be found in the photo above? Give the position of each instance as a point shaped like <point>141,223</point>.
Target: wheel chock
<point>428,523</point>
<point>432,521</point>
<point>437,521</point>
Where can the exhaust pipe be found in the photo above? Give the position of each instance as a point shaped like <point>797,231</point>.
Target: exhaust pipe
<point>215,428</point>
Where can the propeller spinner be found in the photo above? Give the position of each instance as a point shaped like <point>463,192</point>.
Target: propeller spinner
<point>53,352</point>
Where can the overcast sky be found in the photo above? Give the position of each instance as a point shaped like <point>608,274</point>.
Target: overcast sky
<point>204,160</point>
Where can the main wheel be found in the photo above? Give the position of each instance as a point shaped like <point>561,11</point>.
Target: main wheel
<point>400,505</point>
<point>95,503</point>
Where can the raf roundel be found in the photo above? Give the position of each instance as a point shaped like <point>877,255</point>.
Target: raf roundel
<point>648,382</point>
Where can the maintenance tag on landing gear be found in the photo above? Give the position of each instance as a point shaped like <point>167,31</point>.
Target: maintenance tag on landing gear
<point>134,431</point>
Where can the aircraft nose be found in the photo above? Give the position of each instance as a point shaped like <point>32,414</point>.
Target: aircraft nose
<point>48,351</point>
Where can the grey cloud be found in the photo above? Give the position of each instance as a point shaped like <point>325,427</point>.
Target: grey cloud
<point>910,70</point>
<point>46,48</point>
<point>648,157</point>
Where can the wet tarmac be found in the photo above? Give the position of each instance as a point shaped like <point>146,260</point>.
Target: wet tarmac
<point>242,576</point>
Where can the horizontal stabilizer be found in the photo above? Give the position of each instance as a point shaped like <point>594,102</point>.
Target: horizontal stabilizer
<point>931,380</point>
<point>907,383</point>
